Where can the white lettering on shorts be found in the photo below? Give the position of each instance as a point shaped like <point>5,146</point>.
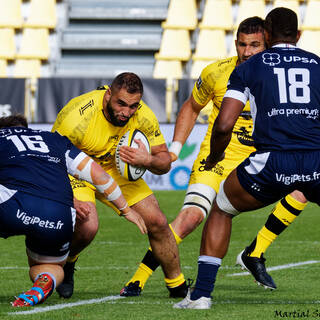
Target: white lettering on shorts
<point>27,220</point>
<point>287,180</point>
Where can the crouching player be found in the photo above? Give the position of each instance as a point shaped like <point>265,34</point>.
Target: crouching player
<point>36,199</point>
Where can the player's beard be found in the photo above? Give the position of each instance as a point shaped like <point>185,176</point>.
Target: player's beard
<point>116,122</point>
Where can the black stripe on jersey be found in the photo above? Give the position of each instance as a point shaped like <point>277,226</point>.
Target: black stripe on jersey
<point>274,225</point>
<point>290,208</point>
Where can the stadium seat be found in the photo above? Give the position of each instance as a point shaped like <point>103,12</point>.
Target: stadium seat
<point>311,19</point>
<point>182,14</point>
<point>197,67</point>
<point>42,14</point>
<point>27,68</point>
<point>308,41</point>
<point>34,44</point>
<point>249,8</point>
<point>291,4</point>
<point>175,45</point>
<point>217,14</point>
<point>3,68</point>
<point>8,46</point>
<point>167,69</point>
<point>10,13</point>
<point>211,45</point>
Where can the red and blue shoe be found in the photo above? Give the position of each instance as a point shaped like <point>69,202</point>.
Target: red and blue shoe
<point>41,290</point>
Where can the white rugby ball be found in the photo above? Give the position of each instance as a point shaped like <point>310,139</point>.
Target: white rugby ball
<point>128,171</point>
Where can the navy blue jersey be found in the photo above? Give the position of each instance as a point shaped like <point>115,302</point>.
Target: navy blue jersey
<point>283,87</point>
<point>37,162</point>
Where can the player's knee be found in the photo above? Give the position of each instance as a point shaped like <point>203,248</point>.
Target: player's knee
<point>199,196</point>
<point>157,223</point>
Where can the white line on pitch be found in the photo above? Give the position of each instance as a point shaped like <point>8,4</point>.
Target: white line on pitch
<point>66,305</point>
<point>284,266</point>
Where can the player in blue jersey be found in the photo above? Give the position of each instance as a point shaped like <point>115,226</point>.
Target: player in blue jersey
<point>282,85</point>
<point>36,199</point>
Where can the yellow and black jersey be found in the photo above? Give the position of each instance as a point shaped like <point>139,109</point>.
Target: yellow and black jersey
<point>83,122</point>
<point>212,85</point>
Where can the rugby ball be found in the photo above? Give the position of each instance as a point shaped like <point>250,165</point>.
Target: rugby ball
<point>126,170</point>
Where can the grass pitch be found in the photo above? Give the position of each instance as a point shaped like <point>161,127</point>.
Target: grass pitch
<point>105,266</point>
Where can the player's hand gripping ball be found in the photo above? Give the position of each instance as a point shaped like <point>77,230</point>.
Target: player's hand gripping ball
<point>126,170</point>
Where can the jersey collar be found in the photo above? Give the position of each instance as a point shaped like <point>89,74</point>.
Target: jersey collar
<point>284,45</point>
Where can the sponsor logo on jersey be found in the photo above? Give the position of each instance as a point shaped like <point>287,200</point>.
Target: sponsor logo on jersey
<point>308,113</point>
<point>287,180</point>
<point>244,137</point>
<point>218,169</point>
<point>273,59</point>
<point>85,107</point>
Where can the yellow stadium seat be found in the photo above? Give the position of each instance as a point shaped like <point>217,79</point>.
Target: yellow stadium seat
<point>311,19</point>
<point>291,4</point>
<point>42,14</point>
<point>232,51</point>
<point>211,44</point>
<point>217,14</point>
<point>310,41</point>
<point>3,68</point>
<point>182,14</point>
<point>27,68</point>
<point>175,45</point>
<point>34,44</point>
<point>250,8</point>
<point>8,46</point>
<point>167,69</point>
<point>197,67</point>
<point>10,13</point>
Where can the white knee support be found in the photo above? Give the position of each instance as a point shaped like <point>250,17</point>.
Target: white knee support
<point>201,196</point>
<point>223,202</point>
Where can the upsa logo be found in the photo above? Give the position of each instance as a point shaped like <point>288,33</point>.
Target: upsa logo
<point>271,59</point>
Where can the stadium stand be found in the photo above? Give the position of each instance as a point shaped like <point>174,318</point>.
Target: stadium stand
<point>42,14</point>
<point>311,19</point>
<point>221,10</point>
<point>308,41</point>
<point>248,8</point>
<point>8,46</point>
<point>3,68</point>
<point>10,13</point>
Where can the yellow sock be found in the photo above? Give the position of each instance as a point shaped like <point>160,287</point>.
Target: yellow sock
<point>72,259</point>
<point>178,239</point>
<point>282,216</point>
<point>148,265</point>
<point>172,283</point>
<point>142,274</point>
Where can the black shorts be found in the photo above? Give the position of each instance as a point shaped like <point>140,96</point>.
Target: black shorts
<point>269,176</point>
<point>48,225</point>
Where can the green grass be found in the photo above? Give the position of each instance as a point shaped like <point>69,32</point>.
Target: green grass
<point>115,253</point>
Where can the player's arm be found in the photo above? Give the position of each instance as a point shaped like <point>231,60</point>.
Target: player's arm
<point>185,122</point>
<point>230,110</point>
<point>158,161</point>
<point>83,167</point>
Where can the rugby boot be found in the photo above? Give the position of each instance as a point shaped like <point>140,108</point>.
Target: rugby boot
<point>42,288</point>
<point>133,289</point>
<point>180,291</point>
<point>65,289</point>
<point>257,268</point>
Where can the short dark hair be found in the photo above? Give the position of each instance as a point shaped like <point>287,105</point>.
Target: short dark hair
<point>128,80</point>
<point>282,24</point>
<point>16,120</point>
<point>251,25</point>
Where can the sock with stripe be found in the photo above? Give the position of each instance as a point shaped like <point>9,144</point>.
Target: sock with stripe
<point>281,217</point>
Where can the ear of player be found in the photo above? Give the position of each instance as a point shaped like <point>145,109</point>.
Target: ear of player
<point>126,170</point>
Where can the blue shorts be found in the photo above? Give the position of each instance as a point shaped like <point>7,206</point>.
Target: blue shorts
<point>48,225</point>
<point>269,176</point>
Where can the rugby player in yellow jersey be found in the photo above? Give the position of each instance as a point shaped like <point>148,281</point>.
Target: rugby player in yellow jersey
<point>204,185</point>
<point>95,122</point>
